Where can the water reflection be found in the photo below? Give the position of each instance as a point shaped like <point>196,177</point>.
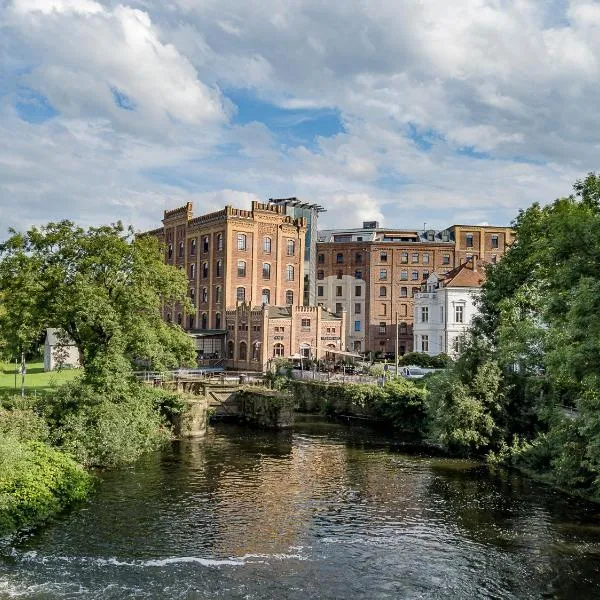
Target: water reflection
<point>323,512</point>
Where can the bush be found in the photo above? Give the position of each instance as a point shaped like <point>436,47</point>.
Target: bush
<point>36,481</point>
<point>423,360</point>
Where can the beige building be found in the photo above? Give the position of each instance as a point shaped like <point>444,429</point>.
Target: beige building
<point>373,273</point>
<point>258,335</point>
<point>233,256</point>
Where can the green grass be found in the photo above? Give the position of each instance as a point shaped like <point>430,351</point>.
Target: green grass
<point>36,380</point>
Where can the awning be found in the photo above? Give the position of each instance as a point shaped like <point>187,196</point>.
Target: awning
<point>342,353</point>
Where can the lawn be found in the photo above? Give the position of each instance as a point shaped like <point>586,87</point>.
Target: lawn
<point>36,380</point>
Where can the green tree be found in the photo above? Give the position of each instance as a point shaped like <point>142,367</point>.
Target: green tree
<point>103,286</point>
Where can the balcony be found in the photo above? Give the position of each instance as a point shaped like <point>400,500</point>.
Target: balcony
<point>425,295</point>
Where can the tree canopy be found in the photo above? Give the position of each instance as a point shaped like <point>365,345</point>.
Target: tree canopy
<point>103,286</point>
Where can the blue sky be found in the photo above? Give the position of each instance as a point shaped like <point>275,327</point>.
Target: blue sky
<point>399,112</point>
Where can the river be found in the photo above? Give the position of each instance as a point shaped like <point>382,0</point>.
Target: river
<point>326,511</point>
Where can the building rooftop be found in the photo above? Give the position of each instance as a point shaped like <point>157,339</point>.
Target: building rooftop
<point>469,274</point>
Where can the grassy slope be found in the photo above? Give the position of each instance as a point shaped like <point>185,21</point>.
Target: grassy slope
<point>35,379</point>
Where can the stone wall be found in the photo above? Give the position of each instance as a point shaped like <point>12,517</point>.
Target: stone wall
<point>266,408</point>
<point>193,419</point>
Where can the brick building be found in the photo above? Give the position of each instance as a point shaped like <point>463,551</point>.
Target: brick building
<point>373,273</point>
<point>231,256</point>
<point>257,335</point>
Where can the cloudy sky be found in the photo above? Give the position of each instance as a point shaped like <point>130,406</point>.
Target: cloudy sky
<point>405,111</point>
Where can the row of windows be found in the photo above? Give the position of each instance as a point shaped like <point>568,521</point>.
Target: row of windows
<point>383,274</point>
<point>494,240</point>
<point>242,244</point>
<point>415,257</point>
<point>266,295</point>
<point>193,244</point>
<point>459,314</point>
<point>266,270</point>
<point>192,320</point>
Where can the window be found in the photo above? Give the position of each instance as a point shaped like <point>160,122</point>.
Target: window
<point>404,257</point>
<point>320,274</point>
<point>320,290</point>
<point>382,291</point>
<point>459,313</point>
<point>456,345</point>
<point>170,251</point>
<point>205,270</point>
<point>289,273</point>
<point>241,294</point>
<point>305,323</point>
<point>338,308</point>
<point>425,274</point>
<point>180,248</point>
<point>415,257</point>
<point>383,256</point>
<point>403,310</point>
<point>321,259</point>
<point>415,275</point>
<point>414,291</point>
<point>218,294</point>
<point>494,259</point>
<point>291,247</point>
<point>469,240</point>
<point>446,259</point>
<point>204,294</point>
<point>218,321</point>
<point>357,290</point>
<point>338,290</point>
<point>193,247</point>
<point>495,241</point>
<point>357,308</point>
<point>442,315</point>
<point>191,322</point>
<point>356,325</point>
<point>229,349</point>
<point>193,296</point>
<point>358,274</point>
<point>382,328</point>
<point>241,241</point>
<point>424,314</point>
<point>243,353</point>
<point>219,268</point>
<point>241,268</point>
<point>205,244</point>
<point>266,296</point>
<point>340,274</point>
<point>204,321</point>
<point>255,348</point>
<point>403,292</point>
<point>424,343</point>
<point>266,271</point>
<point>425,258</point>
<point>339,258</point>
<point>404,275</point>
<point>383,309</point>
<point>358,258</point>
<point>289,297</point>
<point>219,241</point>
<point>192,270</point>
<point>267,245</point>
<point>278,350</point>
<point>383,274</point>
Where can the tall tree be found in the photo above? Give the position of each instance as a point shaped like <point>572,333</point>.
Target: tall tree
<point>103,286</point>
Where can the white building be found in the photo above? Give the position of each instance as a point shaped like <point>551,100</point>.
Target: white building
<point>445,310</point>
<point>59,351</point>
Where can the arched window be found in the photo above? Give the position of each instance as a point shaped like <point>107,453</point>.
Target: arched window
<point>255,350</point>
<point>169,318</point>
<point>205,243</point>
<point>218,321</point>
<point>278,350</point>
<point>291,247</point>
<point>266,296</point>
<point>219,241</point>
<point>267,245</point>
<point>204,321</point>
<point>243,353</point>
<point>241,268</point>
<point>229,349</point>
<point>192,270</point>
<point>170,250</point>
<point>241,241</point>
<point>193,296</point>
<point>205,270</point>
<point>191,321</point>
<point>289,297</point>
<point>204,294</point>
<point>181,248</point>
<point>219,268</point>
<point>289,273</point>
<point>179,319</point>
<point>218,293</point>
<point>266,271</point>
<point>193,247</point>
<point>241,294</point>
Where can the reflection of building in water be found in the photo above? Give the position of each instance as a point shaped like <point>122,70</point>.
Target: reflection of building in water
<point>266,507</point>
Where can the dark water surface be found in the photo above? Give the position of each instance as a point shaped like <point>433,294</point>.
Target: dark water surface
<point>323,512</point>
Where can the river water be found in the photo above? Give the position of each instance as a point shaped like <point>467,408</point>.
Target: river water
<point>325,511</point>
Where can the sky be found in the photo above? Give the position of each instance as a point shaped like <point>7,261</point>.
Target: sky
<point>402,111</point>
